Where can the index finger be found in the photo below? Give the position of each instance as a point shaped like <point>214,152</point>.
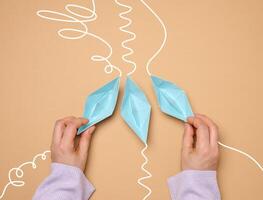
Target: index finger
<point>59,128</point>
<point>202,132</point>
<point>70,131</point>
<point>188,137</point>
<point>212,128</point>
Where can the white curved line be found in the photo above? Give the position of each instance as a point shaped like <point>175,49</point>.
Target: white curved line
<point>164,39</point>
<point>148,71</point>
<point>243,153</point>
<point>82,32</point>
<point>149,175</point>
<point>123,15</point>
<point>19,173</point>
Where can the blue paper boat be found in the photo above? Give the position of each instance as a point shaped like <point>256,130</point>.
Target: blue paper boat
<point>136,110</point>
<point>172,99</point>
<point>101,104</point>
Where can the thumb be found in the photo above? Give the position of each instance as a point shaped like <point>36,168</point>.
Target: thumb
<point>84,142</point>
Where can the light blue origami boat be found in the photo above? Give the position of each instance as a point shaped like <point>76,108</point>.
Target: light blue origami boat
<point>136,110</point>
<point>172,100</point>
<point>100,104</point>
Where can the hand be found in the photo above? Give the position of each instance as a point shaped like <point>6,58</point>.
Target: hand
<point>68,148</point>
<point>200,147</point>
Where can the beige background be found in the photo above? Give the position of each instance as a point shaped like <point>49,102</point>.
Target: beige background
<point>214,52</point>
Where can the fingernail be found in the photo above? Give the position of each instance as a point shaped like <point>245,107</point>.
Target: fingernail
<point>189,118</point>
<point>91,129</point>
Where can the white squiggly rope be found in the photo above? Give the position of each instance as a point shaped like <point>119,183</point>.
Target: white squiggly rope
<point>81,20</point>
<point>122,15</point>
<point>19,173</point>
<point>123,28</point>
<point>148,71</point>
<point>243,153</point>
<point>164,38</point>
<point>149,175</point>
